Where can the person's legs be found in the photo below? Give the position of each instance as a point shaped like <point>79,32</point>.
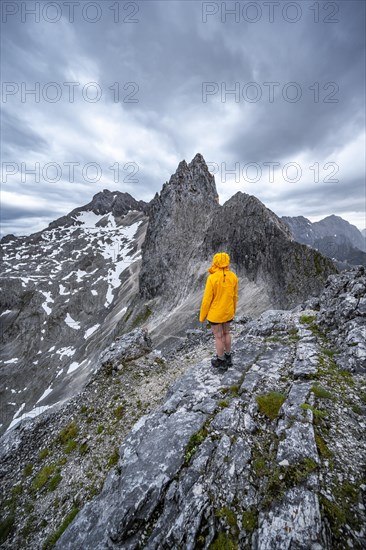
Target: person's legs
<point>219,339</point>
<point>226,337</point>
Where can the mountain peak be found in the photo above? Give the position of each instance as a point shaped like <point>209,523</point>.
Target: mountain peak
<point>251,207</point>
<point>198,159</point>
<point>193,178</point>
<point>182,166</point>
<point>102,203</point>
<point>186,205</point>
<point>333,236</point>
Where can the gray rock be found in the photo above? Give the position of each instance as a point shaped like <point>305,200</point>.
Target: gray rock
<point>126,348</point>
<point>341,315</point>
<point>293,523</point>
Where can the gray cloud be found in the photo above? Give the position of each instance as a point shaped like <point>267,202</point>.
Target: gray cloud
<point>18,136</point>
<point>169,54</point>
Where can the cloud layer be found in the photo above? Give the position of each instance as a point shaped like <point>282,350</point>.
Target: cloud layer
<point>271,94</point>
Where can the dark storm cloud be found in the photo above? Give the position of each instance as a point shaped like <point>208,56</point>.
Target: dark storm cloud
<point>11,212</point>
<point>19,136</point>
<point>306,54</point>
<point>314,198</point>
<point>169,54</point>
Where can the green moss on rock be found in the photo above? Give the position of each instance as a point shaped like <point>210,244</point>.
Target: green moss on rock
<point>270,403</point>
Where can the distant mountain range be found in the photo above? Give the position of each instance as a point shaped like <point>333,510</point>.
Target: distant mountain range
<point>333,236</point>
<point>117,263</point>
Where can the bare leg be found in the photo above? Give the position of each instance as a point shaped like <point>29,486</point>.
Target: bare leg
<point>227,337</point>
<point>219,339</point>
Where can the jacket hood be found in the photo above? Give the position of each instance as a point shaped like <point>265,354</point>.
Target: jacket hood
<point>220,261</point>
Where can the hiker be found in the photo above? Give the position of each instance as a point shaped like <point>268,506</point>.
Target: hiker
<point>218,306</point>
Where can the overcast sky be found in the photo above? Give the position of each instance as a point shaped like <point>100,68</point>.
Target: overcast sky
<point>272,94</point>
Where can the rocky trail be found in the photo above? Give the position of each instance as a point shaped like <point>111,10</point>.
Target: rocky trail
<point>267,455</point>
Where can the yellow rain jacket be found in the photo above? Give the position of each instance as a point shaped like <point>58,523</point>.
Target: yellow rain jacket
<point>221,292</point>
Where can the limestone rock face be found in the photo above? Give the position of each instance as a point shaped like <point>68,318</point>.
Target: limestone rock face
<point>178,220</point>
<point>343,315</point>
<point>261,247</point>
<point>241,458</point>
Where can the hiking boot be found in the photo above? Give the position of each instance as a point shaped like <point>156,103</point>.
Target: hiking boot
<point>218,363</point>
<point>228,359</point>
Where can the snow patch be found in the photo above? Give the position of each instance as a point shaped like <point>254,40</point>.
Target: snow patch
<point>62,290</point>
<point>19,410</point>
<point>88,218</point>
<point>91,330</point>
<point>116,248</point>
<point>80,274</point>
<point>45,393</point>
<point>73,367</point>
<point>31,414</point>
<point>71,323</point>
<point>69,351</point>
<point>49,300</point>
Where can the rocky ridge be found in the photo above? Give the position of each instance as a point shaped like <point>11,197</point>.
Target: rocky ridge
<point>269,454</point>
<point>63,291</point>
<point>50,466</point>
<point>333,236</point>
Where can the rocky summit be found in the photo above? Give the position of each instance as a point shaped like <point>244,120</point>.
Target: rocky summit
<point>268,454</point>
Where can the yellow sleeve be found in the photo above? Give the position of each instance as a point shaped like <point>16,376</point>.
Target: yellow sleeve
<point>206,300</point>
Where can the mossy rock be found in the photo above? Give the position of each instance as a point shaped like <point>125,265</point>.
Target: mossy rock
<point>70,446</point>
<point>321,392</point>
<point>43,453</point>
<point>6,527</point>
<point>195,440</point>
<point>113,458</point>
<point>250,520</point>
<point>28,470</point>
<point>43,477</point>
<point>223,541</point>
<point>51,541</point>
<point>69,432</point>
<point>270,403</point>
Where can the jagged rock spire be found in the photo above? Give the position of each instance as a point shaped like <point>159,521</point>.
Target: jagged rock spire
<point>179,218</point>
